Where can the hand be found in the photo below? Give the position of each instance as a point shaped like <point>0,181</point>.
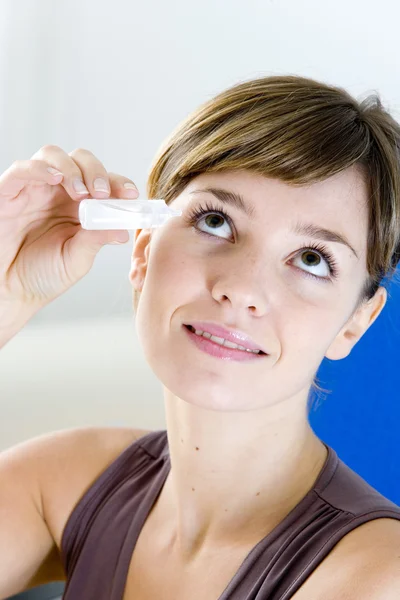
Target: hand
<point>43,248</point>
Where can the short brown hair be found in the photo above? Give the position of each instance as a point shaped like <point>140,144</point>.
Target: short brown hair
<point>300,131</point>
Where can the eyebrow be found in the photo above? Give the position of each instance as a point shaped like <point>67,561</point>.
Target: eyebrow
<point>310,229</point>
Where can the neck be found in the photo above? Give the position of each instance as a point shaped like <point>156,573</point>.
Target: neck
<point>235,475</point>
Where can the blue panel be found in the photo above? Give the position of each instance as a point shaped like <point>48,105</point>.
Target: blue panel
<point>360,418</point>
<point>51,591</point>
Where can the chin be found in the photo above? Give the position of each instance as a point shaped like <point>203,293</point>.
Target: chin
<point>201,396</point>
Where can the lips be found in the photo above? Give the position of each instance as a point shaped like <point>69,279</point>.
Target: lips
<point>232,335</point>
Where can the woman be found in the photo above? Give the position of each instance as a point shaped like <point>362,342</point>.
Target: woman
<point>290,192</point>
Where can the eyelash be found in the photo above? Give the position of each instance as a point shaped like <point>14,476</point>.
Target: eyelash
<point>200,211</point>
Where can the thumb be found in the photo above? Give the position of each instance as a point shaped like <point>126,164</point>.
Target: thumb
<point>89,242</point>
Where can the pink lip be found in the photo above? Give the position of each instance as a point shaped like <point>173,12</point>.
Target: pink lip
<point>221,351</point>
<point>235,336</point>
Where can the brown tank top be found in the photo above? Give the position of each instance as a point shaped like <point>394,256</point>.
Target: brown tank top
<point>102,530</point>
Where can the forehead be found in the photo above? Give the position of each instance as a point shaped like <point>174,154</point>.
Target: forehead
<point>346,190</point>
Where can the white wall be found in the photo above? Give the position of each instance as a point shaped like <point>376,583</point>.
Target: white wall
<point>68,374</point>
<point>117,77</point>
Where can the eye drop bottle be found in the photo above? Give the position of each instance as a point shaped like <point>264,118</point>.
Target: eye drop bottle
<point>114,213</point>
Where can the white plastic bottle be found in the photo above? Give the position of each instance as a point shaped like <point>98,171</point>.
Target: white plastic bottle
<point>116,213</point>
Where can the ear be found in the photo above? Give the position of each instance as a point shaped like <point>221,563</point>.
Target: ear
<point>357,325</point>
<point>139,260</point>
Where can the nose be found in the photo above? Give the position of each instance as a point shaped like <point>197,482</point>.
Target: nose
<point>241,286</point>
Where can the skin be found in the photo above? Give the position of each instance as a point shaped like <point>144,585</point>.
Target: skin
<point>242,451</point>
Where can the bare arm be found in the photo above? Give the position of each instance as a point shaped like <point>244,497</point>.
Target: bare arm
<point>41,481</point>
<point>29,556</point>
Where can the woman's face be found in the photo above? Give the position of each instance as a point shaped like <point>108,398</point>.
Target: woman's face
<point>254,273</point>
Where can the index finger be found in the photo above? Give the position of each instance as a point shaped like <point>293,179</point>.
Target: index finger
<point>22,172</point>
<point>122,187</point>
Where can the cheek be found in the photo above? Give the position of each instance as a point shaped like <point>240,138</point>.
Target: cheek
<point>306,337</point>
<point>173,272</point>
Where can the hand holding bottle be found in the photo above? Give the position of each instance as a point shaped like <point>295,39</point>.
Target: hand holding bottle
<point>43,248</point>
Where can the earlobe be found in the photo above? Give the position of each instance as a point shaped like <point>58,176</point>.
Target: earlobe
<point>344,342</point>
<point>357,325</point>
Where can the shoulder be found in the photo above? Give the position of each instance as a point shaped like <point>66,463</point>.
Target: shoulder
<point>375,568</point>
<point>70,462</point>
<point>364,565</point>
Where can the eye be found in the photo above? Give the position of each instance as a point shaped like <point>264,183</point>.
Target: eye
<point>321,251</point>
<point>213,219</point>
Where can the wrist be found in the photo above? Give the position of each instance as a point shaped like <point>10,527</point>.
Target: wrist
<point>13,317</point>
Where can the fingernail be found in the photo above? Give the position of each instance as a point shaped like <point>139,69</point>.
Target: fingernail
<point>131,186</point>
<point>80,187</point>
<point>54,171</point>
<point>101,185</point>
